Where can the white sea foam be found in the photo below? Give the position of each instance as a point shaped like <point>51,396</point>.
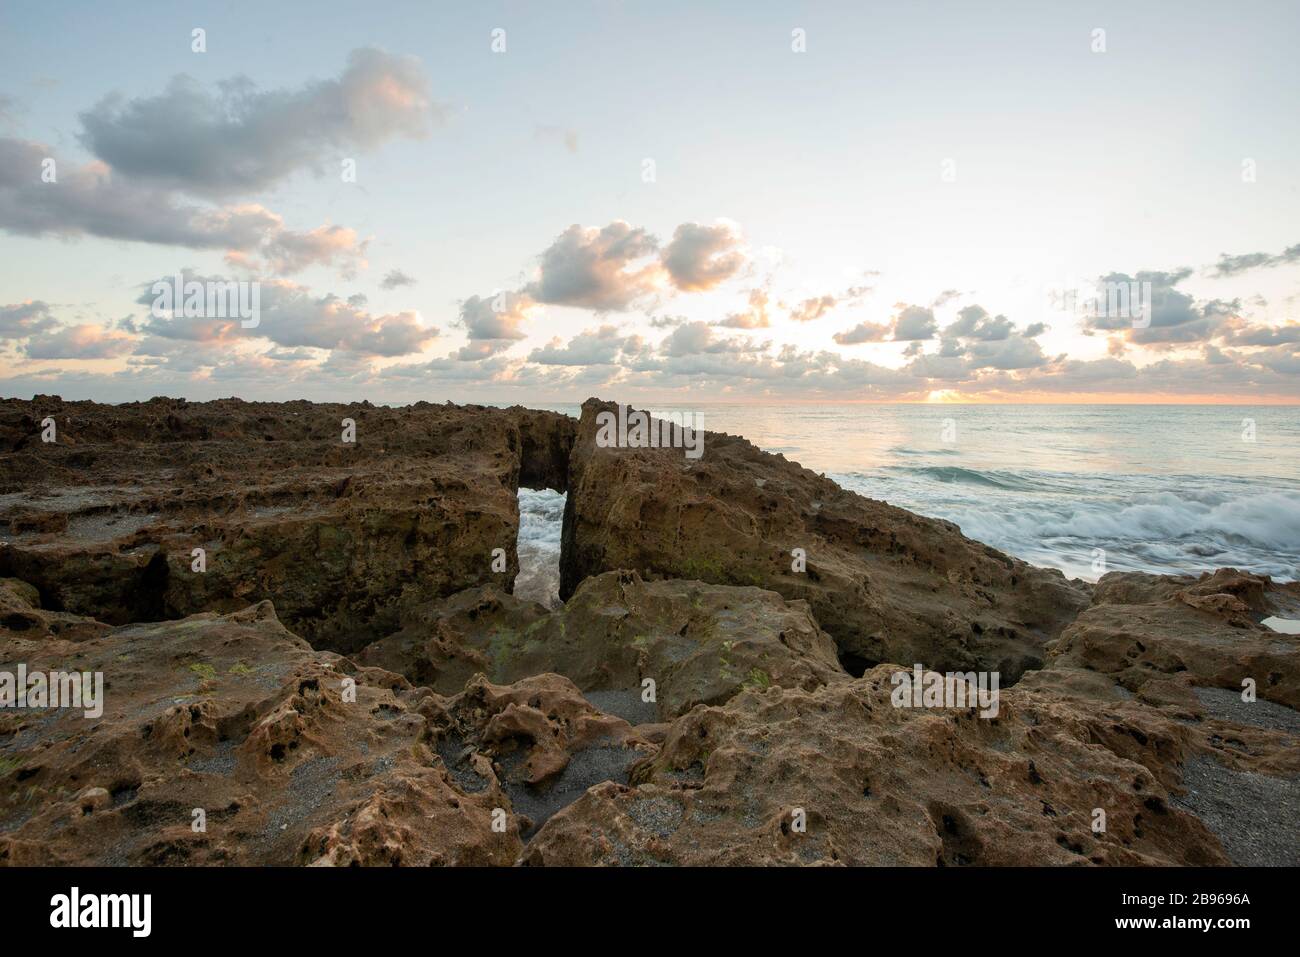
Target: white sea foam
<point>541,518</point>
<point>1184,527</point>
<point>541,512</point>
<point>1285,626</point>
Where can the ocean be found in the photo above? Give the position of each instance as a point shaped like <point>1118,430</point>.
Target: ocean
<point>1171,489</point>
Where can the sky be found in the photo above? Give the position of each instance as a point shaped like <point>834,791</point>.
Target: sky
<point>668,202</point>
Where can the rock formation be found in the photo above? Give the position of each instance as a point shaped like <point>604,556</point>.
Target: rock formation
<point>232,717</point>
<point>342,535</point>
<point>345,677</point>
<point>841,776</point>
<point>699,643</point>
<point>886,584</point>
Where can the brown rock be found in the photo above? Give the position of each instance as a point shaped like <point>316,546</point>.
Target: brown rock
<point>537,740</point>
<point>1200,631</point>
<point>235,717</point>
<point>343,536</point>
<point>476,728</point>
<point>1182,647</point>
<point>442,644</point>
<point>876,784</point>
<point>21,613</point>
<point>698,643</point>
<point>886,584</point>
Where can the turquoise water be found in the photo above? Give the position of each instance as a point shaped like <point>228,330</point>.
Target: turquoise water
<point>1166,489</point>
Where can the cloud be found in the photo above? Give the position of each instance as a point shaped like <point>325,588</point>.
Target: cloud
<point>700,257</point>
<point>449,369</point>
<point>290,252</point>
<point>20,320</point>
<point>154,154</point>
<point>813,308</point>
<point>1283,359</point>
<point>290,355</point>
<point>975,341</point>
<point>1175,316</point>
<point>601,269</point>
<point>603,346</point>
<point>611,268</point>
<point>697,338</point>
<point>817,306</point>
<point>1011,353</point>
<point>1235,265</point>
<point>171,328</point>
<point>291,316</point>
<point>1004,367</point>
<point>79,342</point>
<point>789,372</point>
<point>239,139</point>
<point>862,332</point>
<point>942,366</point>
<point>1247,334</point>
<point>476,350</point>
<point>914,323</point>
<point>1263,374</point>
<point>753,317</point>
<point>306,340</point>
<point>496,317</point>
<point>89,199</point>
<point>1015,366</point>
<point>396,278</point>
<point>974,322</point>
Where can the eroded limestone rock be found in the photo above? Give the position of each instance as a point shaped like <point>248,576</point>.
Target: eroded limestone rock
<point>886,584</point>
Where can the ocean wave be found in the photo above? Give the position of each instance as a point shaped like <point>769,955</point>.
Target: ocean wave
<point>906,450</point>
<point>958,474</point>
<point>1265,520</point>
<point>1169,525</point>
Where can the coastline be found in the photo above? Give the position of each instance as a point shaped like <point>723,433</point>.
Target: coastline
<point>360,591</point>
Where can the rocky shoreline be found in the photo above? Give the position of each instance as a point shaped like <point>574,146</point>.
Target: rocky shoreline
<point>310,645</point>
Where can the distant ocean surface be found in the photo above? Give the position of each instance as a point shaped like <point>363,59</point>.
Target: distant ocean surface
<point>1168,489</point>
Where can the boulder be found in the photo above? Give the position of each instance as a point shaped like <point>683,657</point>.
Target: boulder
<point>21,612</point>
<point>1154,633</point>
<point>886,584</point>
<point>698,643</point>
<point>537,741</point>
<point>443,644</point>
<point>840,776</point>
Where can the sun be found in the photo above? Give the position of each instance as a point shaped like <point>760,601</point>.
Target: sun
<point>943,395</point>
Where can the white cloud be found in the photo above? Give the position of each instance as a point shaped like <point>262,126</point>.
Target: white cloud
<point>238,139</point>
